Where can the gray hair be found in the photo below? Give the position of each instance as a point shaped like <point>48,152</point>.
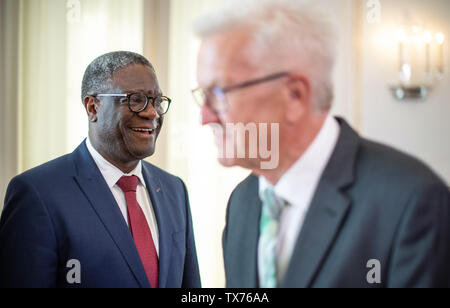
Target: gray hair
<point>98,75</point>
<point>285,35</point>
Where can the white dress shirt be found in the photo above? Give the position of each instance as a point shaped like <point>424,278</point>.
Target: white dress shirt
<point>298,186</point>
<point>112,174</point>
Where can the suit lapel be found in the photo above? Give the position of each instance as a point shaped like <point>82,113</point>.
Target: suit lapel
<point>250,238</point>
<point>326,214</point>
<point>93,185</point>
<point>161,206</point>
<point>320,228</point>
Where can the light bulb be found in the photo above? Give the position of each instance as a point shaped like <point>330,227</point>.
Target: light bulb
<point>401,36</point>
<point>428,37</point>
<point>440,38</point>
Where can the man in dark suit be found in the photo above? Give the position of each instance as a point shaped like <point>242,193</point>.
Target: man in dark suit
<point>336,210</point>
<point>101,216</point>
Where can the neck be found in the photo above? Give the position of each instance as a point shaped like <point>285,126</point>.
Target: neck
<point>126,166</point>
<point>293,148</point>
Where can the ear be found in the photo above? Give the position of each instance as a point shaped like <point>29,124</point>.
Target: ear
<point>91,106</point>
<point>298,97</point>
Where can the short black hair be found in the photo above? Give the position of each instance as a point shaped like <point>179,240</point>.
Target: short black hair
<point>98,75</point>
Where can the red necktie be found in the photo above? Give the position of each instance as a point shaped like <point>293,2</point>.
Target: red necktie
<point>140,230</point>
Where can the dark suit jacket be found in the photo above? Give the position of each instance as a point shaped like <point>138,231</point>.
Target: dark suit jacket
<point>372,202</point>
<point>64,210</point>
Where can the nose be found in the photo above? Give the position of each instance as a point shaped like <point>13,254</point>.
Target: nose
<point>149,112</point>
<point>208,116</point>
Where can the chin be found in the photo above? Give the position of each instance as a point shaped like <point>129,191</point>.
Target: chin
<point>251,164</point>
<point>147,154</point>
<point>141,153</point>
<point>226,162</point>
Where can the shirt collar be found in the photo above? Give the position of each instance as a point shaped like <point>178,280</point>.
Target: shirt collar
<point>306,172</point>
<point>111,173</point>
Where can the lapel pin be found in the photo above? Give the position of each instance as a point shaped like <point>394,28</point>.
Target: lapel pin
<point>158,189</point>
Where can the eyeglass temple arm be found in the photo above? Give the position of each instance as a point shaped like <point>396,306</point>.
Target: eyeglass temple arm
<point>254,82</point>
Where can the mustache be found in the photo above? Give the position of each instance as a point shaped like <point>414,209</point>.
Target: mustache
<point>153,124</point>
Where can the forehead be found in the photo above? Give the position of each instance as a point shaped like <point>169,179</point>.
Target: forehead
<point>136,77</point>
<point>225,58</point>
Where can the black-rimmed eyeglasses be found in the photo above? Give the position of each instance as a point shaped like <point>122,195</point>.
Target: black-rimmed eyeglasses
<point>138,102</point>
<point>214,97</point>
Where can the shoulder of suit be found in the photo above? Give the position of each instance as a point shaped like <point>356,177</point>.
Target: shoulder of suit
<point>60,166</point>
<point>45,176</point>
<point>394,165</point>
<point>248,185</point>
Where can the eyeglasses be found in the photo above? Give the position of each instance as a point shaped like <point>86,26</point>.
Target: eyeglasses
<point>215,97</point>
<point>138,102</point>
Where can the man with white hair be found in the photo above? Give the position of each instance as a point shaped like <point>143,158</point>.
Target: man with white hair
<point>337,210</point>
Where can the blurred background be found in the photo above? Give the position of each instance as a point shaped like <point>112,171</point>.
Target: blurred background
<point>388,49</point>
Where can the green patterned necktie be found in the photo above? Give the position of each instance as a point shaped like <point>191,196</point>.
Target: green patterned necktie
<point>267,261</point>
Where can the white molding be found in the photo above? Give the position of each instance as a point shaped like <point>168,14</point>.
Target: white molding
<point>357,34</point>
<point>156,50</point>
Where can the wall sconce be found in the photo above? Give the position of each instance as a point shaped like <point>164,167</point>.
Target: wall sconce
<point>420,62</point>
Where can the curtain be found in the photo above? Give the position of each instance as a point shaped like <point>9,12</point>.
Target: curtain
<point>9,98</point>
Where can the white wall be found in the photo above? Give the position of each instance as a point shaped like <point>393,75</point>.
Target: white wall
<point>419,128</point>
<point>344,104</point>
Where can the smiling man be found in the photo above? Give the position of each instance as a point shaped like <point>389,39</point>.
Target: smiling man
<point>101,216</point>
